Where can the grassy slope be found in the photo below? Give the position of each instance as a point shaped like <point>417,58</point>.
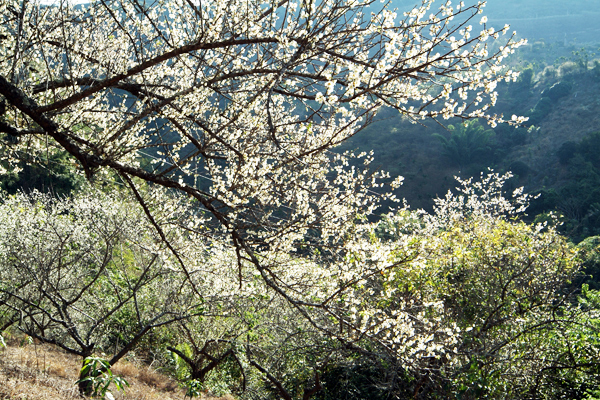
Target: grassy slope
<point>44,372</point>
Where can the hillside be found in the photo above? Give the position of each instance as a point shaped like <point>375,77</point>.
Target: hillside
<point>530,152</point>
<point>44,372</point>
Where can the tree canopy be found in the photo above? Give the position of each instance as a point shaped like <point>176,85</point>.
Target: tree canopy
<point>238,104</point>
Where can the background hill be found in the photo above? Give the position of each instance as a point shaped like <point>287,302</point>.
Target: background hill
<point>559,90</point>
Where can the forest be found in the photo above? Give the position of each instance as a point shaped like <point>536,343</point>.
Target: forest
<point>299,199</point>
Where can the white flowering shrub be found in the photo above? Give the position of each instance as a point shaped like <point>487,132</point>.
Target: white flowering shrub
<point>87,274</point>
<point>467,296</point>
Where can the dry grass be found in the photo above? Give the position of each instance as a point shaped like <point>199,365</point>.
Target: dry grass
<point>44,372</point>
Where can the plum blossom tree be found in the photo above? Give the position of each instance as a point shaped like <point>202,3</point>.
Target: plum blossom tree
<point>238,105</point>
<point>87,274</point>
<point>247,97</point>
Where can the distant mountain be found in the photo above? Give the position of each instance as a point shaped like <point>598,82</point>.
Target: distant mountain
<point>573,21</point>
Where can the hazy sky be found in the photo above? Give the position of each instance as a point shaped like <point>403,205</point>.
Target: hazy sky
<point>565,21</point>
<point>573,21</point>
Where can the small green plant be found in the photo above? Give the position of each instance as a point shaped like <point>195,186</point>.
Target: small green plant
<point>2,342</point>
<point>194,388</point>
<point>25,341</point>
<point>97,377</point>
<point>592,394</point>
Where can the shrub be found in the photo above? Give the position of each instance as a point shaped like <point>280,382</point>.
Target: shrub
<point>466,143</point>
<point>566,152</point>
<point>558,90</point>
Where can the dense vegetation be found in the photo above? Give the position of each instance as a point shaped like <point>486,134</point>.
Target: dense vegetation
<point>484,299</point>
<point>201,194</point>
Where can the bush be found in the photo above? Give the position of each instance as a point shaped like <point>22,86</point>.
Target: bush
<point>589,147</point>
<point>558,90</point>
<point>589,250</point>
<point>53,175</point>
<point>479,292</point>
<point>519,168</point>
<point>541,110</point>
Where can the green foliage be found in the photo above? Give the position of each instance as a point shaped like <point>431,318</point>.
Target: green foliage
<point>525,80</point>
<point>519,168</point>
<point>541,110</point>
<point>566,152</point>
<point>181,369</point>
<point>194,388</point>
<point>223,379</point>
<point>590,298</point>
<point>581,58</point>
<point>575,350</point>
<point>491,287</point>
<point>578,198</point>
<point>509,136</point>
<point>589,252</point>
<point>500,281</point>
<point>589,148</point>
<point>549,98</point>
<point>592,395</point>
<point>96,372</point>
<point>557,91</point>
<point>466,143</point>
<point>356,381</point>
<point>53,174</point>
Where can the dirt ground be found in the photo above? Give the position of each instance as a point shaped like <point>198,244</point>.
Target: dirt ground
<point>44,372</point>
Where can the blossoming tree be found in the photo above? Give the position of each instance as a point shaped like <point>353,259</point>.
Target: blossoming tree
<point>87,274</point>
<point>238,105</point>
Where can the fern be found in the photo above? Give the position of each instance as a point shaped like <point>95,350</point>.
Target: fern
<point>466,142</point>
